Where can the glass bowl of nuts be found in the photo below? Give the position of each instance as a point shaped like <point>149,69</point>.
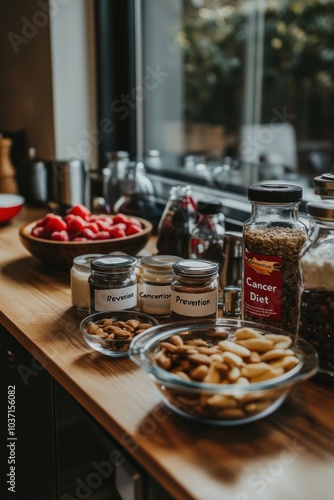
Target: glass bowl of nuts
<point>224,372</point>
<point>111,333</point>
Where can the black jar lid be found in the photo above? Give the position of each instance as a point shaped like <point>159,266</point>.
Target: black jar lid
<point>275,193</point>
<point>112,263</point>
<point>209,207</point>
<point>195,268</point>
<point>321,209</point>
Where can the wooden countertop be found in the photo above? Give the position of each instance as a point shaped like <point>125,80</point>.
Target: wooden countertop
<point>289,454</point>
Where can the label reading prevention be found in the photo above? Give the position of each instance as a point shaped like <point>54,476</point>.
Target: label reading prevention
<point>189,304</point>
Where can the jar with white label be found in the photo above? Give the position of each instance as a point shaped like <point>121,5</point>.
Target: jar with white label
<point>113,283</point>
<point>79,275</point>
<point>154,284</point>
<point>194,290</point>
<point>272,239</point>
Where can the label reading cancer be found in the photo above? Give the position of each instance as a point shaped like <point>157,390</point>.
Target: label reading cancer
<point>262,284</point>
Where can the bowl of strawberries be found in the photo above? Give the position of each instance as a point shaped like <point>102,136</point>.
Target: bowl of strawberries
<point>56,240</point>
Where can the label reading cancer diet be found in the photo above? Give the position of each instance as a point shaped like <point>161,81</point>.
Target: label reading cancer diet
<point>262,284</point>
<point>190,304</point>
<point>116,299</point>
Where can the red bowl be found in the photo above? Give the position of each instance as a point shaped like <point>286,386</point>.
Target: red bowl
<point>10,205</point>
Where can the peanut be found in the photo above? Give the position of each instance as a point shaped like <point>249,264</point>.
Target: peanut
<point>259,345</point>
<point>233,347</point>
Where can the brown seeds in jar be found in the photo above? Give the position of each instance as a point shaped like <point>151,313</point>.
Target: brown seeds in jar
<point>283,242</point>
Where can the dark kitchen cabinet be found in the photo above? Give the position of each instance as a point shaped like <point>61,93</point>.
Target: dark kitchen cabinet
<point>61,452</point>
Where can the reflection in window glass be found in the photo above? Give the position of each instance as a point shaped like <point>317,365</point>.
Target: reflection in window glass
<point>249,79</point>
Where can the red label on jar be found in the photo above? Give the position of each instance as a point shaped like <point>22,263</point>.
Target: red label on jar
<point>262,282</point>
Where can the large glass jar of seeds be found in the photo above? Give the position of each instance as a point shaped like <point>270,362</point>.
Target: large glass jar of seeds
<point>154,284</point>
<point>194,290</point>
<point>316,321</point>
<point>272,239</point>
<point>113,283</point>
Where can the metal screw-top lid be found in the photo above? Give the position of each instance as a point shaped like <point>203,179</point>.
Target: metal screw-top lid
<point>275,193</point>
<point>159,262</point>
<point>111,263</point>
<point>195,268</point>
<point>209,207</point>
<point>321,209</point>
<point>83,262</point>
<point>324,184</point>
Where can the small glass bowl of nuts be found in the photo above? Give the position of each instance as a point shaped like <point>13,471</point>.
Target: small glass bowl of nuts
<point>111,333</point>
<point>224,371</point>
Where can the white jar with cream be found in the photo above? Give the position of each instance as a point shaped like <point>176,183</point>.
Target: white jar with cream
<point>79,274</point>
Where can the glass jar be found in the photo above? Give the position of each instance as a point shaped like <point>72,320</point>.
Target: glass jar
<point>324,185</point>
<point>79,274</point>
<point>194,290</point>
<point>112,177</point>
<point>177,223</point>
<point>316,320</point>
<point>154,284</point>
<point>207,237</point>
<point>230,273</point>
<point>113,283</point>
<point>272,239</point>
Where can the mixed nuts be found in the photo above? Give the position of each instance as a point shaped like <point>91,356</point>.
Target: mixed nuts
<point>247,357</point>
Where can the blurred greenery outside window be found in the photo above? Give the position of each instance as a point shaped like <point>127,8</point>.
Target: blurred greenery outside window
<point>241,62</point>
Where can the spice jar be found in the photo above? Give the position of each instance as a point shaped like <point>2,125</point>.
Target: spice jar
<point>154,284</point>
<point>272,239</point>
<point>113,283</point>
<point>79,275</point>
<point>194,290</point>
<point>316,320</point>
<point>207,238</point>
<point>324,185</point>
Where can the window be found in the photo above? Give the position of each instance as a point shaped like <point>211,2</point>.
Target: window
<point>247,79</point>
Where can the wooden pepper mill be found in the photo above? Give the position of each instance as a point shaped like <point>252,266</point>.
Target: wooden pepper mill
<point>8,182</point>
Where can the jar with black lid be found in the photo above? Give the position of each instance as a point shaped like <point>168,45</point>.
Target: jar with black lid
<point>316,320</point>
<point>113,283</point>
<point>272,239</point>
<point>207,238</point>
<point>194,290</point>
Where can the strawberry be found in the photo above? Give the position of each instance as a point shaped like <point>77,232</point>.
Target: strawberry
<point>80,210</point>
<point>60,236</point>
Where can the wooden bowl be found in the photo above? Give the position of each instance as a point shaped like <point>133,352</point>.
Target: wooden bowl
<point>60,254</point>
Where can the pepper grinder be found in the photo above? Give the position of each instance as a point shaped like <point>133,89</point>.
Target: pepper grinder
<point>8,182</point>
